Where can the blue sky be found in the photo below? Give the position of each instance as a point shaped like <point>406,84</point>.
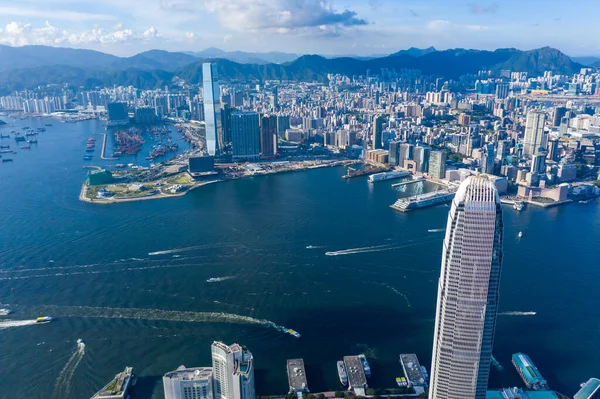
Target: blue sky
<point>362,27</point>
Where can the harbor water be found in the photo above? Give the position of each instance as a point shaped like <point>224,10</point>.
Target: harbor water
<point>151,284</point>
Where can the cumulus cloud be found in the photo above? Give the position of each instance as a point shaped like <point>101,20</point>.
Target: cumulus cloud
<point>67,15</point>
<point>19,34</point>
<point>477,9</point>
<point>280,15</point>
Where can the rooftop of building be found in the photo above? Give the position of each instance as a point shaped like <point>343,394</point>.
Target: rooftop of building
<point>590,389</point>
<point>190,374</point>
<point>530,372</point>
<point>412,368</point>
<point>517,393</point>
<point>296,374</point>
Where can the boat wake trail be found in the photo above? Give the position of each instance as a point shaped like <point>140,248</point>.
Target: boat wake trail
<point>194,248</point>
<point>517,313</point>
<point>314,246</point>
<point>16,323</point>
<point>219,279</point>
<point>62,387</point>
<point>352,251</point>
<point>397,292</point>
<point>436,230</point>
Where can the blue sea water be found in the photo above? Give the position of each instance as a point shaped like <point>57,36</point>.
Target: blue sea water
<point>131,279</point>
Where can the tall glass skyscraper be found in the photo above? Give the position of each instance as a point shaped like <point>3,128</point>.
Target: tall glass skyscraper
<point>468,293</point>
<point>212,109</point>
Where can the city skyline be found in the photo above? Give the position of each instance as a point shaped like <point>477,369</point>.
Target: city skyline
<point>331,27</point>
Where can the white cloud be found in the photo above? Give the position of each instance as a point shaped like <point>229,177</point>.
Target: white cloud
<point>280,15</point>
<point>19,34</point>
<point>53,14</point>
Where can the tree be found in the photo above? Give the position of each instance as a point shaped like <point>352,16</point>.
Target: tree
<point>370,391</point>
<point>310,396</point>
<point>320,396</point>
<point>339,394</point>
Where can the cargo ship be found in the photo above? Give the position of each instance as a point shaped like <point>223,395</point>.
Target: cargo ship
<point>395,174</point>
<point>423,200</point>
<point>365,364</point>
<point>342,372</point>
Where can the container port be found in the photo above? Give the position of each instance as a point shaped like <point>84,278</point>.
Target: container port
<point>423,200</point>
<point>118,387</point>
<point>530,375</point>
<point>357,381</point>
<point>413,372</point>
<point>297,376</point>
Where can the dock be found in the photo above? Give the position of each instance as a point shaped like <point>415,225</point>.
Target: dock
<point>588,389</point>
<point>415,179</point>
<point>413,372</point>
<point>118,387</point>
<point>297,376</point>
<point>102,152</point>
<point>357,380</point>
<point>530,374</point>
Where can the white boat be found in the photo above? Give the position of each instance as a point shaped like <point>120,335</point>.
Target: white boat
<point>43,319</point>
<point>518,206</point>
<point>80,343</point>
<point>395,174</point>
<point>342,372</point>
<point>4,312</point>
<point>520,234</point>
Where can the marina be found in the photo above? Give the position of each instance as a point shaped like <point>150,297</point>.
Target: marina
<point>297,376</point>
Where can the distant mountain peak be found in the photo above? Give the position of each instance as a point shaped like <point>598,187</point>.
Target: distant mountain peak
<point>416,52</point>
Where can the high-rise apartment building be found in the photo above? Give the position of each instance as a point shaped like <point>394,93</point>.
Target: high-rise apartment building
<point>189,383</point>
<point>245,135</point>
<point>437,164</point>
<point>268,135</point>
<point>233,371</point>
<point>212,109</point>
<point>467,299</point>
<point>535,138</point>
<point>405,153</point>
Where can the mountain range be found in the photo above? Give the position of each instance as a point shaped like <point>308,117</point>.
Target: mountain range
<point>30,66</point>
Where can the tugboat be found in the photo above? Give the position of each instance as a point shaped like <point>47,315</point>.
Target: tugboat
<point>342,372</point>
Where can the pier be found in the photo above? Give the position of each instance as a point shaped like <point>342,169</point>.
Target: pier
<point>102,155</point>
<point>357,380</point>
<point>415,179</point>
<point>117,388</point>
<point>413,372</point>
<point>297,376</point>
<point>530,374</point>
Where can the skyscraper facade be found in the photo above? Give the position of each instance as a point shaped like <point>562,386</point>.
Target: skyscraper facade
<point>377,131</point>
<point>534,133</point>
<point>233,371</point>
<point>245,136</point>
<point>212,109</point>
<point>437,164</point>
<point>189,383</point>
<point>467,299</point>
<point>268,135</point>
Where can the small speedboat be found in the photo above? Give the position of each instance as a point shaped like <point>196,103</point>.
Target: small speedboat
<point>43,319</point>
<point>520,234</point>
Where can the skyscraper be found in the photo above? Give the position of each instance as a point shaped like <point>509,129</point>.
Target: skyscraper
<point>534,132</point>
<point>377,130</point>
<point>189,383</point>
<point>268,135</point>
<point>245,136</point>
<point>212,109</point>
<point>467,299</point>
<point>233,371</point>
<point>437,164</point>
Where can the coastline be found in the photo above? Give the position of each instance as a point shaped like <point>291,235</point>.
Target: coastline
<point>111,200</point>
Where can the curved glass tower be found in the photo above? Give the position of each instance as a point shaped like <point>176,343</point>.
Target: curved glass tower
<point>468,293</point>
<point>212,109</point>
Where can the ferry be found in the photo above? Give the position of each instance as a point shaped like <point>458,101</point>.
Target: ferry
<point>43,319</point>
<point>402,382</point>
<point>342,372</point>
<point>365,364</point>
<point>4,312</point>
<point>294,333</point>
<point>395,174</point>
<point>518,206</point>
<point>423,200</point>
